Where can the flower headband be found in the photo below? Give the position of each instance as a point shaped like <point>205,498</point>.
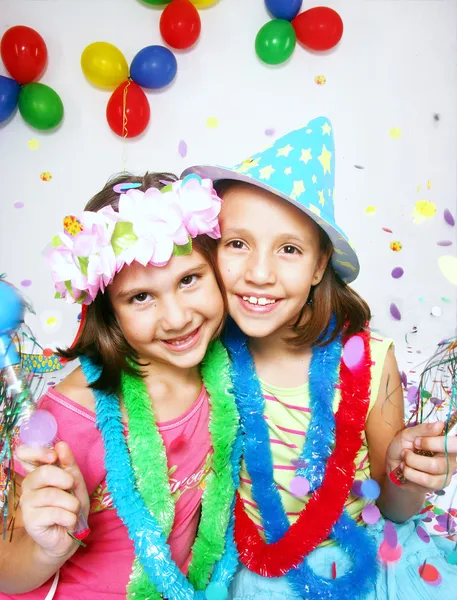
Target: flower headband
<point>149,227</point>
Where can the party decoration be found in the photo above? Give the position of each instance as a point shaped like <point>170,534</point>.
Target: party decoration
<point>448,217</point>
<point>159,3</point>
<point>448,267</point>
<point>275,42</point>
<point>284,9</point>
<point>154,67</point>
<point>104,65</point>
<point>395,312</point>
<point>397,272</point>
<point>180,24</point>
<point>128,110</point>
<point>353,352</point>
<point>9,94</point>
<point>204,3</point>
<point>40,106</point>
<point>319,28</point>
<point>24,53</point>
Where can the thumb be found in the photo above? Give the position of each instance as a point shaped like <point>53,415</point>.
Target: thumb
<point>68,463</point>
<point>423,430</point>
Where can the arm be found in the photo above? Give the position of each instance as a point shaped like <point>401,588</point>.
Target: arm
<point>45,513</point>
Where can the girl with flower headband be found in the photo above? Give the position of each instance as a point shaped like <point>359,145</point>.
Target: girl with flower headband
<point>319,397</point>
<point>149,442</point>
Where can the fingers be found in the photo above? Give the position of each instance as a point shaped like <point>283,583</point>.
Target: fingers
<point>69,465</point>
<point>47,476</point>
<point>52,497</point>
<point>431,473</point>
<point>409,434</point>
<point>437,444</point>
<point>51,516</point>
<point>30,458</point>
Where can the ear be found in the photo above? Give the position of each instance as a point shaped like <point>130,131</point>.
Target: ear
<point>321,265</point>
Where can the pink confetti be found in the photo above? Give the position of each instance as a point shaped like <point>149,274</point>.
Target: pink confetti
<point>182,149</point>
<point>430,574</point>
<point>449,218</point>
<point>18,205</point>
<point>412,394</point>
<point>395,312</point>
<point>353,352</point>
<point>390,534</point>
<point>26,283</point>
<point>371,514</point>
<point>388,554</point>
<point>299,486</point>
<point>397,273</point>
<point>423,534</point>
<point>387,230</point>
<point>269,132</point>
<point>444,243</point>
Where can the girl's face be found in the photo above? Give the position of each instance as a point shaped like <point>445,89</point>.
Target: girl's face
<point>168,314</point>
<point>268,257</point>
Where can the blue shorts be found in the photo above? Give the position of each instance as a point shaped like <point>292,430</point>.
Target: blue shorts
<point>398,581</point>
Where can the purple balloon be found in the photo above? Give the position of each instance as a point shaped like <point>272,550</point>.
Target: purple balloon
<point>395,312</point>
<point>449,218</point>
<point>39,430</point>
<point>397,273</point>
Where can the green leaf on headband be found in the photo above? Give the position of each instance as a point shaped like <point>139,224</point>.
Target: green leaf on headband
<point>183,249</point>
<point>68,286</point>
<point>57,296</point>
<point>167,188</point>
<point>56,241</point>
<point>81,299</point>
<point>123,237</point>
<point>83,264</point>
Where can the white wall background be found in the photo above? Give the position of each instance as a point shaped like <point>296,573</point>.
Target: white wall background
<point>394,68</point>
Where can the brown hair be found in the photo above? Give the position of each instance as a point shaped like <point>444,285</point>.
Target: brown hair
<point>101,338</point>
<point>330,296</point>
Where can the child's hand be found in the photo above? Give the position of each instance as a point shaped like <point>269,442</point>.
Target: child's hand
<point>424,473</point>
<point>49,511</point>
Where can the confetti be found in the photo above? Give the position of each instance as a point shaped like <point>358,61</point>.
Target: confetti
<point>436,311</point>
<point>388,554</point>
<point>444,243</point>
<point>269,132</point>
<point>397,273</point>
<point>18,205</point>
<point>371,514</point>
<point>26,283</point>
<point>423,534</point>
<point>395,133</point>
<point>395,312</point>
<point>359,167</point>
<point>444,299</point>
<point>387,230</point>
<point>182,149</point>
<point>396,246</point>
<point>48,352</point>
<point>51,321</point>
<point>212,122</point>
<point>299,486</point>
<point>412,394</point>
<point>370,210</point>
<point>429,184</point>
<point>121,188</point>
<point>448,267</point>
<point>33,144</point>
<point>333,570</point>
<point>356,488</point>
<point>404,379</point>
<point>353,352</point>
<point>449,218</point>
<point>430,574</point>
<point>424,209</point>
<point>390,534</point>
<point>45,176</point>
<point>370,489</point>
<point>320,80</point>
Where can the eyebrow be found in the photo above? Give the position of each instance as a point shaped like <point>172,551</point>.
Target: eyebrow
<point>281,238</point>
<point>197,269</point>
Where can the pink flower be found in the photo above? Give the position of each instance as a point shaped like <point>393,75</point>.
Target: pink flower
<point>200,206</point>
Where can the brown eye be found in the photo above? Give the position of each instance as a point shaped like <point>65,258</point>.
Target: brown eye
<point>290,249</point>
<point>189,280</point>
<point>237,244</point>
<point>140,298</point>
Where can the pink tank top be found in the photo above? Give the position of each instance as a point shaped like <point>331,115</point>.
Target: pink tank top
<point>102,569</point>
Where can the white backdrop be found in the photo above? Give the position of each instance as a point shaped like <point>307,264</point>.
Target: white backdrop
<point>390,91</point>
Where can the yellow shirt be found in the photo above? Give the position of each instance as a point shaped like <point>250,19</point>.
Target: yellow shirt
<point>288,415</point>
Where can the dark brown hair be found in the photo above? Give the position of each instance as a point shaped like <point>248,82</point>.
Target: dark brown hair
<point>330,296</point>
<point>101,338</point>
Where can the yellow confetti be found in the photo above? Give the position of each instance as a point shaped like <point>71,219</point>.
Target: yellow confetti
<point>448,267</point>
<point>423,210</point>
<point>370,210</point>
<point>33,144</point>
<point>429,184</point>
<point>320,79</point>
<point>212,122</point>
<point>396,246</point>
<point>45,176</point>
<point>51,321</point>
<point>418,189</point>
<point>395,133</point>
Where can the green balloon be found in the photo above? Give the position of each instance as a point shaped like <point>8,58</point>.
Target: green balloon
<point>275,41</point>
<point>156,2</point>
<point>40,106</point>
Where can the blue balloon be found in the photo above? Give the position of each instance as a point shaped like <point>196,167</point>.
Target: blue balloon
<point>9,93</point>
<point>284,9</point>
<point>154,67</point>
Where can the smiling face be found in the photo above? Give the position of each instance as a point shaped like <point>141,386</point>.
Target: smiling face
<point>169,314</point>
<point>269,257</point>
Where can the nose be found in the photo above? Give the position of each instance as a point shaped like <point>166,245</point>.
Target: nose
<point>260,268</point>
<point>176,315</point>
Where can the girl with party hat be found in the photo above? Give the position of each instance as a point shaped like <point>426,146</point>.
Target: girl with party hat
<point>148,434</point>
<point>319,396</point>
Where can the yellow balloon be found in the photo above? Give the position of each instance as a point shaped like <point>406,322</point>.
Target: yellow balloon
<point>204,3</point>
<point>104,65</point>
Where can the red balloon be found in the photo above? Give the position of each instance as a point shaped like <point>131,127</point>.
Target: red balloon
<point>24,53</point>
<point>180,24</point>
<point>318,28</point>
<point>128,111</point>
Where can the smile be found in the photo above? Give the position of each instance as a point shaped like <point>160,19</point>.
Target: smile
<point>258,304</point>
<point>180,344</point>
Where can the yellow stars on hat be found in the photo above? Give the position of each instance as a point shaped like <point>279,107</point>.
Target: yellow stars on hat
<point>287,170</point>
<point>297,190</point>
<point>325,159</point>
<point>266,172</point>
<point>305,155</point>
<point>284,151</point>
<point>247,164</point>
<point>326,129</point>
<point>321,197</point>
<point>314,179</point>
<point>315,210</point>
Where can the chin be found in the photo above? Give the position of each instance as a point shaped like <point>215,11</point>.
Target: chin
<point>256,329</point>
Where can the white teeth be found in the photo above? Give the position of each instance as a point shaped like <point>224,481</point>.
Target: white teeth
<point>260,301</point>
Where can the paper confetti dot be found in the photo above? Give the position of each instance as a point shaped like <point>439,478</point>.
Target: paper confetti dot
<point>320,80</point>
<point>423,534</point>
<point>436,311</point>
<point>33,144</point>
<point>18,205</point>
<point>412,394</point>
<point>299,486</point>
<point>396,246</point>
<point>45,176</point>
<point>269,132</point>
<point>429,185</point>
<point>359,167</point>
<point>444,243</point>
<point>390,534</point>
<point>424,209</point>
<point>48,352</point>
<point>444,299</point>
<point>404,379</point>
<point>395,312</point>
<point>448,267</point>
<point>370,489</point>
<point>388,554</point>
<point>51,321</point>
<point>182,149</point>
<point>370,210</point>
<point>449,218</point>
<point>356,488</point>
<point>212,122</point>
<point>386,229</point>
<point>395,133</point>
<point>397,273</point>
<point>371,514</point>
<point>429,574</point>
<point>353,352</point>
<point>26,283</point>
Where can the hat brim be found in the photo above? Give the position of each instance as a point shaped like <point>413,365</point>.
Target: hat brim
<point>344,258</point>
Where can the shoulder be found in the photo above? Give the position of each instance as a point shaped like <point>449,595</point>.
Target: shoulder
<point>75,387</point>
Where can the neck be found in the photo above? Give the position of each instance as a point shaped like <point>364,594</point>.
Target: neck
<point>169,375</point>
